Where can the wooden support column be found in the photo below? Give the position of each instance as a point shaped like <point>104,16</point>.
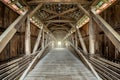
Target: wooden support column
<point>82,42</point>
<point>11,30</point>
<point>69,39</point>
<point>91,37</point>
<point>38,41</point>
<point>72,37</point>
<point>27,37</point>
<point>43,40</point>
<point>76,40</point>
<point>108,30</point>
<point>46,41</point>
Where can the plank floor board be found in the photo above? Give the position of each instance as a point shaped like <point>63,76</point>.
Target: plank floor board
<point>60,64</point>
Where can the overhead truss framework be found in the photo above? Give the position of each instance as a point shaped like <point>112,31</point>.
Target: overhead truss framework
<point>57,14</point>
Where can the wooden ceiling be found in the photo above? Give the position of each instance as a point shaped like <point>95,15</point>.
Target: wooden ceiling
<point>59,14</point>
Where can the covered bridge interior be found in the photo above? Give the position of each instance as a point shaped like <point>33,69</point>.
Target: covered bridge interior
<point>59,39</point>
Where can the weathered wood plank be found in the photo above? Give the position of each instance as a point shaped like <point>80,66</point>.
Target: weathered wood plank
<point>37,8</point>
<point>31,66</point>
<point>81,39</point>
<point>108,30</point>
<point>85,11</point>
<point>67,11</point>
<point>91,37</point>
<point>59,21</point>
<point>43,40</point>
<point>11,30</point>
<point>38,40</point>
<point>27,37</point>
<point>60,64</point>
<point>57,1</point>
<point>76,40</point>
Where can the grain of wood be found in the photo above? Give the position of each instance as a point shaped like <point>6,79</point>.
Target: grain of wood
<point>60,64</point>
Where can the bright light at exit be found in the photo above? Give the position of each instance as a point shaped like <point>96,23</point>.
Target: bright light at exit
<point>59,43</point>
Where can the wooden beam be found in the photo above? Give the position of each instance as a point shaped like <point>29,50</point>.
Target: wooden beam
<point>59,21</point>
<point>33,63</point>
<point>72,37</point>
<point>67,17</point>
<point>81,40</point>
<point>37,41</point>
<point>50,11</point>
<point>7,35</point>
<point>85,60</point>
<point>46,39</point>
<point>59,25</point>
<point>54,27</point>
<point>108,30</point>
<point>95,2</point>
<point>57,1</point>
<point>13,2</point>
<point>76,40</point>
<point>43,40</point>
<point>84,10</point>
<point>50,33</point>
<point>91,37</point>
<point>59,28</point>
<point>67,11</point>
<point>37,8</point>
<point>27,38</point>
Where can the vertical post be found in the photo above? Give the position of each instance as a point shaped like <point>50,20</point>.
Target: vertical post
<point>43,40</point>
<point>91,37</point>
<point>38,40</point>
<point>72,37</point>
<point>76,41</point>
<point>82,41</point>
<point>27,37</point>
<point>46,41</point>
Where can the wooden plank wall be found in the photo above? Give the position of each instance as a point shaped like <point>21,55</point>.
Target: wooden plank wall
<point>104,46</point>
<point>15,47</point>
<point>112,16</point>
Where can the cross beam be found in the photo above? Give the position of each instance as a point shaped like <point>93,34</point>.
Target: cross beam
<point>50,11</point>
<point>67,11</point>
<point>60,25</point>
<point>57,1</point>
<point>59,21</point>
<point>37,8</point>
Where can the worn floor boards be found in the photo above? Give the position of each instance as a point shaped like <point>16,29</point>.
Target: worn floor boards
<point>60,64</point>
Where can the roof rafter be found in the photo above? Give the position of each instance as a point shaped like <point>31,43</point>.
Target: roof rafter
<point>58,1</point>
<point>59,21</point>
<point>50,11</point>
<point>67,11</point>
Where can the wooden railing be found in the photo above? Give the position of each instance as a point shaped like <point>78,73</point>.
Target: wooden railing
<point>107,70</point>
<point>34,61</point>
<point>85,61</point>
<point>14,69</point>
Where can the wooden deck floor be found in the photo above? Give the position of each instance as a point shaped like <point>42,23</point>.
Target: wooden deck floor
<point>60,64</point>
